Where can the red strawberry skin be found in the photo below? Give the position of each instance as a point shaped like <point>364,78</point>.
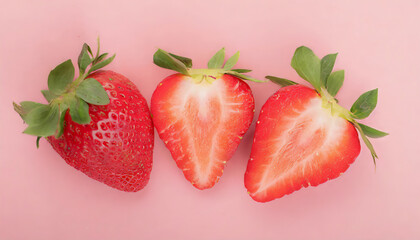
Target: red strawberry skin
<point>202,123</point>
<point>297,143</point>
<point>116,147</point>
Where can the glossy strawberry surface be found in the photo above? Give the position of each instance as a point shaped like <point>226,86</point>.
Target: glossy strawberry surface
<point>116,147</point>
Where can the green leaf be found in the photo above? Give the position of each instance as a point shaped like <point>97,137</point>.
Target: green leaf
<point>102,64</point>
<point>365,104</point>
<point>371,132</point>
<point>90,51</point>
<point>84,59</point>
<point>79,111</point>
<point>92,92</point>
<point>165,60</point>
<point>37,113</point>
<point>28,105</point>
<point>370,147</point>
<point>48,95</point>
<point>100,58</point>
<point>60,77</point>
<point>217,60</point>
<point>186,61</point>
<point>63,110</point>
<point>281,81</point>
<point>37,141</point>
<point>366,141</point>
<point>43,121</point>
<point>241,70</point>
<point>25,107</point>
<point>231,61</point>
<point>243,76</point>
<point>308,66</point>
<point>334,82</point>
<point>327,65</point>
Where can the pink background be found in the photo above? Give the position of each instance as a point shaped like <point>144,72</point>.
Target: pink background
<point>41,197</point>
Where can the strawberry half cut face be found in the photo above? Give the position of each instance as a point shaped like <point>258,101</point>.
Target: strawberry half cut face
<point>202,123</point>
<point>303,136</point>
<point>298,143</point>
<point>202,114</point>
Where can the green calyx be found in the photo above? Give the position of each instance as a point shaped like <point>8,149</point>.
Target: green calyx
<point>66,94</point>
<point>216,66</point>
<point>318,72</point>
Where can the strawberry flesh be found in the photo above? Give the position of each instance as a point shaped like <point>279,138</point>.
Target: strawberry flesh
<point>202,123</point>
<point>297,143</point>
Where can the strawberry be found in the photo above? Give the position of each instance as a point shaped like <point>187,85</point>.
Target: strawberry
<point>303,137</point>
<point>202,114</point>
<point>100,123</point>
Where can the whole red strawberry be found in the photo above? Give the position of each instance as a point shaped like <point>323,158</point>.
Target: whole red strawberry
<point>303,137</point>
<point>202,114</point>
<point>100,123</point>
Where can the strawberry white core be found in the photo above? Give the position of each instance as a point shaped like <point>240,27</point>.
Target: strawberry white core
<point>202,122</point>
<point>200,106</point>
<point>303,136</point>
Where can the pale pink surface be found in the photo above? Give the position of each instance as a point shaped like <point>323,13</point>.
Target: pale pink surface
<point>41,197</point>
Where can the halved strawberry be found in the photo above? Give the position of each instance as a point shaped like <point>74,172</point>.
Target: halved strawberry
<point>202,114</point>
<point>303,137</point>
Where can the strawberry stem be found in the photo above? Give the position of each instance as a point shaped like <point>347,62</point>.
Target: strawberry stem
<point>330,102</point>
<point>209,75</point>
